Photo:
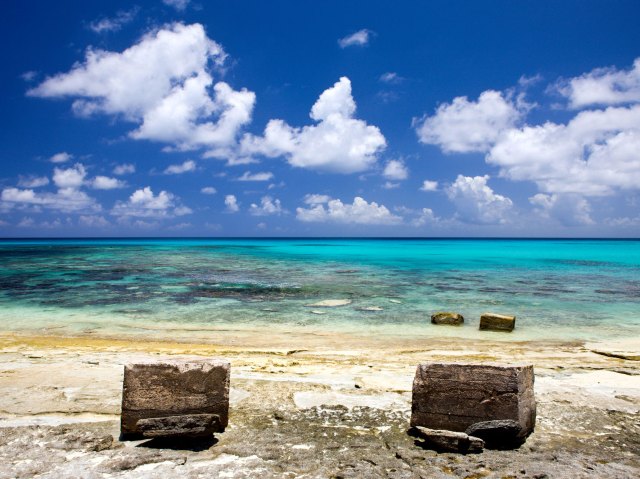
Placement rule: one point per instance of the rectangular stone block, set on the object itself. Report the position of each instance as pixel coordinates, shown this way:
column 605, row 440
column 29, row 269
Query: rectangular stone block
column 455, row 396
column 497, row 322
column 174, row 388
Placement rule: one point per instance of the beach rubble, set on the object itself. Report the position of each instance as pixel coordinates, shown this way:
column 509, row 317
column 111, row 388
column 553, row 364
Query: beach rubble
column 497, row 322
column 175, row 398
column 456, row 397
column 442, row 440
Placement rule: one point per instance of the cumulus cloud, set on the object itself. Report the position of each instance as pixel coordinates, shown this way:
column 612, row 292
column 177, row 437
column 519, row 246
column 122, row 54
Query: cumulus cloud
column 162, row 84
column 144, row 203
column 464, row 126
column 359, row 212
column 93, row 221
column 208, row 190
column 67, row 200
column 184, row 167
column 124, row 169
column 314, row 199
column 429, row 185
column 231, row 202
column 426, row 216
column 267, row 206
column 395, row 170
column 61, row 157
column 115, row 23
column 337, row 143
column 70, row 177
column 360, row 38
column 570, row 210
column 261, row 176
column 106, row 183
column 33, row 181
column 603, row 86
column 594, row 154
column 476, row 202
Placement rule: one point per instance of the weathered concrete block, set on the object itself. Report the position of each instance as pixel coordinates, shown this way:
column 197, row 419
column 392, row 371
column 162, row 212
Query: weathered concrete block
column 174, row 388
column 193, row 425
column 447, row 441
column 497, row 322
column 455, row 396
column 445, row 317
column 500, row 434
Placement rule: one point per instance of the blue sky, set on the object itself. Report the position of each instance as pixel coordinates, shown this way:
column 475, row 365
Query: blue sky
column 332, row 118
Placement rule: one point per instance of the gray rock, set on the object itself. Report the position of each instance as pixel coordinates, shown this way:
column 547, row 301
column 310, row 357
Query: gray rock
column 176, row 388
column 497, row 322
column 455, row 396
column 446, row 317
column 500, row 434
column 447, row 441
column 193, row 425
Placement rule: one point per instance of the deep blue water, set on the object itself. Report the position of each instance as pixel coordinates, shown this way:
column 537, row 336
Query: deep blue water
column 558, row 289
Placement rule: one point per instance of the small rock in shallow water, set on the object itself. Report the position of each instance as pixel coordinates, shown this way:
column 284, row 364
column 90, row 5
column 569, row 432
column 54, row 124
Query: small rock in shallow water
column 314, row 311
column 370, row 308
column 447, row 441
column 445, row 317
column 497, row 322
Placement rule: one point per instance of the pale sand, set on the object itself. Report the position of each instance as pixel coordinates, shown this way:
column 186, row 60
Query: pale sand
column 312, row 406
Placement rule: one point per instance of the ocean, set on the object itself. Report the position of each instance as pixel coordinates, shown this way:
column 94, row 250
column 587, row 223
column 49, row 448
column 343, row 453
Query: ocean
column 189, row 289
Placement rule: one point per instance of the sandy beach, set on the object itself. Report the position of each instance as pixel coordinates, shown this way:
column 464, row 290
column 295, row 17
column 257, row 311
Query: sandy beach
column 311, row 406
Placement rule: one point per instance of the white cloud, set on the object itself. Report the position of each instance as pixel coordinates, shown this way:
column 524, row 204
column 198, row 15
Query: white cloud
column 391, row 78
column 314, row 199
column 161, row 84
column 26, row 223
column 179, row 5
column 144, row 204
column 594, row 154
column 33, row 181
column 106, row 183
column 115, row 23
column 124, row 169
column 268, row 206
column 426, row 216
column 72, row 177
column 67, row 200
column 61, row 157
column 338, row 143
column 261, row 176
column 359, row 212
column 389, row 185
column 185, row 167
column 476, row 202
column 231, row 203
column 208, row 190
column 464, row 126
column 395, row 170
column 428, row 185
column 603, row 86
column 570, row 210
column 93, row 221
column 29, row 76
column 359, row 38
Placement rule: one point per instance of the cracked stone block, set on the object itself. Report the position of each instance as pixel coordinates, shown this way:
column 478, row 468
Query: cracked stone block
column 455, row 396
column 196, row 389
column 497, row 322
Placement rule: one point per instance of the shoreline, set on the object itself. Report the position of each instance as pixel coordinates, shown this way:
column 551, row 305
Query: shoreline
column 315, row 407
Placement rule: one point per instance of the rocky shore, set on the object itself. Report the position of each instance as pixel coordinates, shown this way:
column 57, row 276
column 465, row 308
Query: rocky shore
column 325, row 407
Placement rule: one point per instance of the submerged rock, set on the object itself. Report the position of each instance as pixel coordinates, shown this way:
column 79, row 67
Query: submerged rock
column 442, row 440
column 500, row 434
column 370, row 308
column 330, row 303
column 446, row 317
column 497, row 322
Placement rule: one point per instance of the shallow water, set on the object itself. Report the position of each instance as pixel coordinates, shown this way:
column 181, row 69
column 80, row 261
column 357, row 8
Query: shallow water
column 192, row 288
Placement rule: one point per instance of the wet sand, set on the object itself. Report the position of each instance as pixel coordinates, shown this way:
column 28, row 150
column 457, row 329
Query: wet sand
column 317, row 405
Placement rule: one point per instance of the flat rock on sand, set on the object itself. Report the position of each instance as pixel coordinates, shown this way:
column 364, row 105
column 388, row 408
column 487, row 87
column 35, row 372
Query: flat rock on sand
column 330, row 303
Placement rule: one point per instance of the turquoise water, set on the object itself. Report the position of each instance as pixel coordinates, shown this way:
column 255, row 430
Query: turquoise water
column 558, row 289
